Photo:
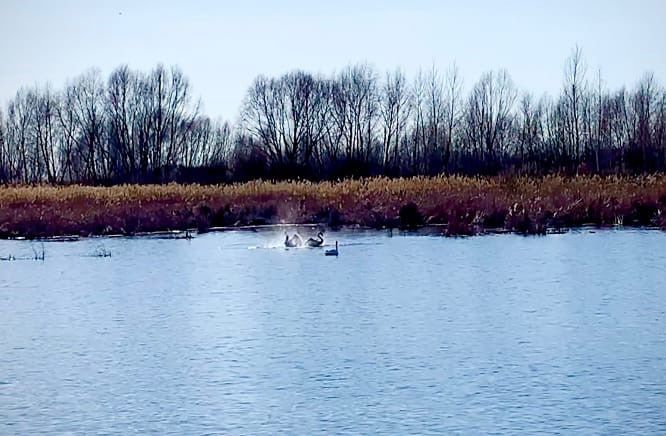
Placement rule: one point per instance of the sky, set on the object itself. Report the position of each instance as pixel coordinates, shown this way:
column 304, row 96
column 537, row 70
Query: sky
column 221, row 46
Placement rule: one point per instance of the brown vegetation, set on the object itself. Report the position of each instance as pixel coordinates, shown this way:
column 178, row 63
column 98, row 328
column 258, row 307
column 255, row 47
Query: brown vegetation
column 465, row 205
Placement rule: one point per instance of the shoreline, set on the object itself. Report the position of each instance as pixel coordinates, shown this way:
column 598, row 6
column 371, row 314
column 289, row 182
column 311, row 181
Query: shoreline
column 426, row 230
column 460, row 206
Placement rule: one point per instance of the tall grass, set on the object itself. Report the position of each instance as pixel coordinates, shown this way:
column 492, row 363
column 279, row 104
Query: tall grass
column 466, row 205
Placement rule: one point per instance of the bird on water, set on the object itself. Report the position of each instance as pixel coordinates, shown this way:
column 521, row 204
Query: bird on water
column 294, row 241
column 312, row 242
column 333, row 251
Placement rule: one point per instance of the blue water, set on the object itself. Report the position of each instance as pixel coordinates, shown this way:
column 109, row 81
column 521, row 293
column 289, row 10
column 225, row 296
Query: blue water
column 229, row 333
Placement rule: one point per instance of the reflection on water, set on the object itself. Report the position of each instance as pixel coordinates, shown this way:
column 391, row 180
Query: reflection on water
column 232, row 333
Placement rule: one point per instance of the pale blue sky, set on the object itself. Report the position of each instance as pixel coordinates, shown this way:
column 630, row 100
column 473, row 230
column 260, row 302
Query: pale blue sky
column 221, row 45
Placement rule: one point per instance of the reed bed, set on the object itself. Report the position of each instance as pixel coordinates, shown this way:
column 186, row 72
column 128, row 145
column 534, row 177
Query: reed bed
column 464, row 205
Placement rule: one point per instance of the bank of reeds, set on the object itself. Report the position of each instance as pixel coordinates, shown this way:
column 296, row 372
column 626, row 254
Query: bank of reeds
column 465, row 205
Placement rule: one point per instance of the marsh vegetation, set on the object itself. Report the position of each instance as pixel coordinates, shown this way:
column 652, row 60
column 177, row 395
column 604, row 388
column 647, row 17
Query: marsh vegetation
column 465, row 205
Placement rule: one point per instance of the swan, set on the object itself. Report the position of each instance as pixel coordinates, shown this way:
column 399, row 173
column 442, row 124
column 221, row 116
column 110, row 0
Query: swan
column 294, row 241
column 311, row 242
column 332, row 252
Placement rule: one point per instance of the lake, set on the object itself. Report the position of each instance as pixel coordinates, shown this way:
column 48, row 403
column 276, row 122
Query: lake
column 232, row 333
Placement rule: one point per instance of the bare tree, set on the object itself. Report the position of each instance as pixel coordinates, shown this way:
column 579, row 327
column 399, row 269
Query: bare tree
column 4, row 166
column 489, row 116
column 260, row 117
column 395, row 111
column 575, row 87
column 167, row 92
column 139, row 127
column 600, row 120
column 289, row 117
column 452, row 111
column 660, row 127
column 531, row 133
column 121, row 116
column 87, row 93
column 419, row 123
column 69, row 135
column 643, row 118
column 355, row 110
column 222, row 146
column 435, row 120
column 19, row 119
column 44, row 131
column 198, row 142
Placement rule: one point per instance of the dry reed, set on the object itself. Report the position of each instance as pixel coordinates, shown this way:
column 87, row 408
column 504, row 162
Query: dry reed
column 466, row 205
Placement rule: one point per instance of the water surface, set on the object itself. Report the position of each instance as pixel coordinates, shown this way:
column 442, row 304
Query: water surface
column 231, row 333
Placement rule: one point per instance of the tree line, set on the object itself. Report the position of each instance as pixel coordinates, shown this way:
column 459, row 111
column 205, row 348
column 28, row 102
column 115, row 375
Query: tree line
column 137, row 127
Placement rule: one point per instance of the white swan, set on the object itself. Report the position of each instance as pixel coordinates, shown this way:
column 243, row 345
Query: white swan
column 294, row 241
column 311, row 242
